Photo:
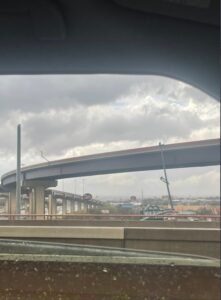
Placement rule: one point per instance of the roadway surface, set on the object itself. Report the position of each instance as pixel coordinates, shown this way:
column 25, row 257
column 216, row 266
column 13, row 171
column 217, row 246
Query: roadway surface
column 181, row 155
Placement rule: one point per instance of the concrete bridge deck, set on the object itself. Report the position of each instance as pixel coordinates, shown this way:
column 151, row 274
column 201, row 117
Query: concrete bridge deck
column 37, row 178
column 179, row 155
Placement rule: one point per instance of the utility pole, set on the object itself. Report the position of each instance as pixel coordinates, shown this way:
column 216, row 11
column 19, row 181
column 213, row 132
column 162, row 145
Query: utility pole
column 83, row 186
column 142, row 195
column 18, row 171
column 75, row 186
column 165, row 179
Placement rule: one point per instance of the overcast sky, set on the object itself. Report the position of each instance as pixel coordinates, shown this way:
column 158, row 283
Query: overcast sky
column 73, row 115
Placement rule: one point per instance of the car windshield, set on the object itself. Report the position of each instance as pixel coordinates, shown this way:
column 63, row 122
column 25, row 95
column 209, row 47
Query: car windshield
column 117, row 170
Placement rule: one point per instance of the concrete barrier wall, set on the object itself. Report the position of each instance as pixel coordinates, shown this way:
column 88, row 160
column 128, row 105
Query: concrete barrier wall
column 97, row 278
column 183, row 240
column 199, row 241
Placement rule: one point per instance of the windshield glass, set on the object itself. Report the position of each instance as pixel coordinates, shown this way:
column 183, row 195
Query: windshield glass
column 115, row 166
column 72, row 116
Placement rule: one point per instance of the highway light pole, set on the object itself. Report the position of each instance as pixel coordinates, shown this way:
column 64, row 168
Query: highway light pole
column 18, row 171
column 142, row 195
column 165, row 179
column 83, row 182
column 75, row 186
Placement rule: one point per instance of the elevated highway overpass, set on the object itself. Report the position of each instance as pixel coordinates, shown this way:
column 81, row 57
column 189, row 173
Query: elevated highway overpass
column 180, row 155
column 41, row 176
column 174, row 237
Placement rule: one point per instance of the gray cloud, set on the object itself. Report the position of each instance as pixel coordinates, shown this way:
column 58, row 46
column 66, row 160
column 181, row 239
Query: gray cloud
column 55, row 132
column 203, row 181
column 83, row 114
column 39, row 93
column 137, row 108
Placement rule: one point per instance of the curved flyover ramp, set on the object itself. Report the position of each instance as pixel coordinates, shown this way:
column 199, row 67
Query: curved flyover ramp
column 180, row 155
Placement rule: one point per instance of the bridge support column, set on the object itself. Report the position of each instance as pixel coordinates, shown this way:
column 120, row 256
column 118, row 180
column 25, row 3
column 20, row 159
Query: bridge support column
column 26, row 205
column 12, row 203
column 64, row 206
column 84, row 207
column 37, row 196
column 40, row 202
column 32, row 203
column 77, row 206
column 72, row 206
column 52, row 205
column 7, row 205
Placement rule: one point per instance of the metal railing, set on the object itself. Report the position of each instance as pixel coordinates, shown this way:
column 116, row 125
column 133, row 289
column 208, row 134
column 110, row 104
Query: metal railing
column 131, row 217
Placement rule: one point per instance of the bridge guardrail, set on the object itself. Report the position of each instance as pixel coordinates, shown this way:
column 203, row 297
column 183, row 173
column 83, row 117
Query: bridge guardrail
column 109, row 217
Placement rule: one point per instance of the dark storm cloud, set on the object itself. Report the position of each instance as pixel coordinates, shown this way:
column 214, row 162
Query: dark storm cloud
column 39, row 93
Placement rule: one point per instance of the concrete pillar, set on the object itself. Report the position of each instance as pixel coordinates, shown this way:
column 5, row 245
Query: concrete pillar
column 77, row 206
column 64, row 206
column 32, row 203
column 26, row 204
column 39, row 201
column 68, row 206
column 7, row 204
column 72, row 206
column 52, row 205
column 12, row 203
column 37, row 196
column 84, row 207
